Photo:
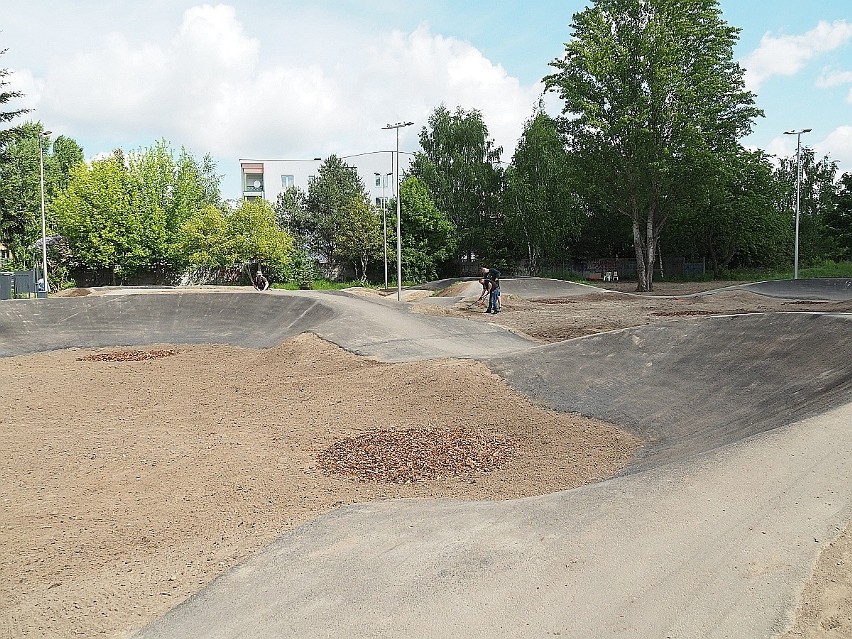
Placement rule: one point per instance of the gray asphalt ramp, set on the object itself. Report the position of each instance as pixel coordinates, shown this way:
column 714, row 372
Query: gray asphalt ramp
column 241, row 319
column 536, row 288
column 689, row 386
column 832, row 289
column 374, row 327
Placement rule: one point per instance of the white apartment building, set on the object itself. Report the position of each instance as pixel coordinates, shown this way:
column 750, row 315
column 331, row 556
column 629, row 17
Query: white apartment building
column 267, row 178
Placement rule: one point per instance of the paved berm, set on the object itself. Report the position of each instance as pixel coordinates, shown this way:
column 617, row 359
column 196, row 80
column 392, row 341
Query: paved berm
column 675, row 465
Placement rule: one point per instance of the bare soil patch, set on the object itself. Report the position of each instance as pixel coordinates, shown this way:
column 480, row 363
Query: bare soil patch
column 132, row 484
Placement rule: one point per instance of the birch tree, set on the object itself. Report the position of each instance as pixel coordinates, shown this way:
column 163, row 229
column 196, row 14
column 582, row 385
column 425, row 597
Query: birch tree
column 651, row 96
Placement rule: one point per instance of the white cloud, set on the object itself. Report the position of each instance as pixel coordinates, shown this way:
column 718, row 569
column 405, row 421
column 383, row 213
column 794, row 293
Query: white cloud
column 312, row 87
column 787, row 54
column 838, row 145
column 833, row 78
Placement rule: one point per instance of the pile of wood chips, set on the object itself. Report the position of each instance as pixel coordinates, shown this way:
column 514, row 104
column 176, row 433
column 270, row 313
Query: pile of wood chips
column 407, row 456
column 129, row 356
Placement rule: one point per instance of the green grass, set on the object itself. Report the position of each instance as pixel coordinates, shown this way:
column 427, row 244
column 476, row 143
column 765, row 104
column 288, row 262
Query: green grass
column 326, row 285
column 823, row 269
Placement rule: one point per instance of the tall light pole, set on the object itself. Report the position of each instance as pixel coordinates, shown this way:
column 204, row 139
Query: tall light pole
column 43, row 134
column 398, row 126
column 798, row 135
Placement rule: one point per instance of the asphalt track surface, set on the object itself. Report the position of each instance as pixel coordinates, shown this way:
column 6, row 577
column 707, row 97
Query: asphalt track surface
column 710, row 533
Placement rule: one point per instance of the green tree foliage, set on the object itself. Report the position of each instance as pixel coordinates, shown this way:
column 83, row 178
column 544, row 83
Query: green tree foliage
column 733, row 219
column 123, row 213
column 359, row 235
column 331, row 197
column 213, row 239
column 5, row 97
column 95, row 215
column 20, row 182
column 429, row 237
column 818, row 199
column 459, row 166
column 291, row 212
column 652, row 97
column 838, row 220
column 544, row 216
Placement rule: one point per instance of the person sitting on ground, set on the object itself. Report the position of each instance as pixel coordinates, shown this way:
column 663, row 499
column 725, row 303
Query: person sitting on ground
column 260, row 282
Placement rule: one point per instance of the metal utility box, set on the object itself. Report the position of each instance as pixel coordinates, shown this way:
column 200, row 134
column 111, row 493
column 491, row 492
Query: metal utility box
column 25, row 282
column 5, row 286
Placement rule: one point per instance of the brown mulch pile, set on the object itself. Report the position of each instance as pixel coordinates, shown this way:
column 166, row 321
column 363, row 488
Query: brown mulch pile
column 407, row 456
column 128, row 356
column 697, row 312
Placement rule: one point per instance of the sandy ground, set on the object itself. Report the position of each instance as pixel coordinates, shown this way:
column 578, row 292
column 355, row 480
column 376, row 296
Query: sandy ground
column 136, row 483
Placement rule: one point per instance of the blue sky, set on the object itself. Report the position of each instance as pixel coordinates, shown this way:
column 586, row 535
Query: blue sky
column 303, row 79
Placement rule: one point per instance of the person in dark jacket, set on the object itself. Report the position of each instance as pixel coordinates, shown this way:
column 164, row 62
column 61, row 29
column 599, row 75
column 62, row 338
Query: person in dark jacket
column 491, row 279
column 260, row 282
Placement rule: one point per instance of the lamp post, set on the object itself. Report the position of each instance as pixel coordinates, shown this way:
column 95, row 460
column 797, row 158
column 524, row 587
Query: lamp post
column 798, row 135
column 398, row 126
column 43, row 134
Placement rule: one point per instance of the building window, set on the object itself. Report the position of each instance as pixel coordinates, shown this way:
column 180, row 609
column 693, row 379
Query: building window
column 381, row 202
column 286, row 181
column 253, row 183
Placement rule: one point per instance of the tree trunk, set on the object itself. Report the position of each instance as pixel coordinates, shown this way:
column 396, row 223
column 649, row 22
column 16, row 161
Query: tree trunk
column 365, row 260
column 638, row 245
column 650, row 251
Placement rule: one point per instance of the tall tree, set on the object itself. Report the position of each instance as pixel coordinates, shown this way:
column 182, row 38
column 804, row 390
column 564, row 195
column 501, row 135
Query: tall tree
column 839, row 219
column 429, row 237
column 359, row 235
column 652, row 96
column 20, row 181
column 544, row 215
column 5, row 96
column 733, row 218
column 96, row 217
column 330, row 194
column 818, row 198
column 123, row 213
column 459, row 166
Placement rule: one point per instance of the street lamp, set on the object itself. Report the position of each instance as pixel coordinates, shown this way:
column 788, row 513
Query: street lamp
column 398, row 126
column 798, row 135
column 43, row 134
column 384, row 179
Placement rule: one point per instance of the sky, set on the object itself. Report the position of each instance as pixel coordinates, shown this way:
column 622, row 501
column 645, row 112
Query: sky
column 292, row 80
